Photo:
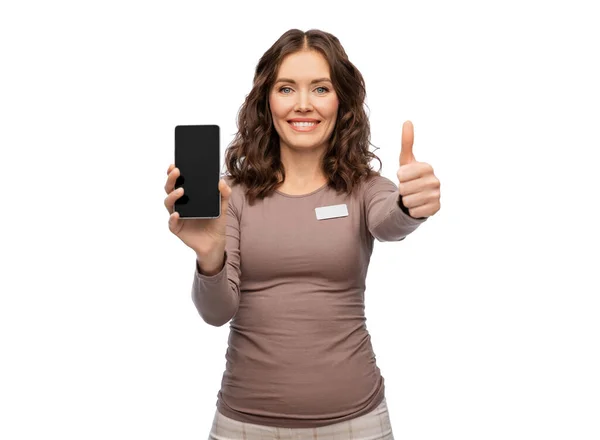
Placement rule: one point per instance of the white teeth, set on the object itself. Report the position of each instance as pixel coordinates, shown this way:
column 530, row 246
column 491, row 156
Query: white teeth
column 303, row 124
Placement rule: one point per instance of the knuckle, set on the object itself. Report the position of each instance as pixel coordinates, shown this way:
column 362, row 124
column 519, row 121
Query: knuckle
column 433, row 182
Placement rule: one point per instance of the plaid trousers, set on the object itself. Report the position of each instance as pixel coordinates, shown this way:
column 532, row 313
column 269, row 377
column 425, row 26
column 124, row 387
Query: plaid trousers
column 374, row 425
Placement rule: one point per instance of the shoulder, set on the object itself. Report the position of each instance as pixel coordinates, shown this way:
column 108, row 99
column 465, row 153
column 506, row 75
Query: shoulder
column 376, row 183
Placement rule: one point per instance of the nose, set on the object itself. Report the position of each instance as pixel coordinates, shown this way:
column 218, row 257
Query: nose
column 303, row 104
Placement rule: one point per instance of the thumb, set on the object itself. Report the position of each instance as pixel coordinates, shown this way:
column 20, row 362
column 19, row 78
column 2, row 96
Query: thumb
column 225, row 191
column 408, row 136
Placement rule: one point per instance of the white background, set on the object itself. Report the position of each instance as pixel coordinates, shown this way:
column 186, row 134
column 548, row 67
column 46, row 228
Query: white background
column 484, row 321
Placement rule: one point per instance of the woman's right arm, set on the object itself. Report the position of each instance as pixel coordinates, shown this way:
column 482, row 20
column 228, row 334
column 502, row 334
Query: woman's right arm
column 216, row 242
column 211, row 265
column 216, row 285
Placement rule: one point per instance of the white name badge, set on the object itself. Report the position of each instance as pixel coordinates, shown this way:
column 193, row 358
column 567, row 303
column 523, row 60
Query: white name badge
column 325, row 212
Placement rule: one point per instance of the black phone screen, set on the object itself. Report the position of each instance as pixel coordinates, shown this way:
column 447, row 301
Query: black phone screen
column 197, row 155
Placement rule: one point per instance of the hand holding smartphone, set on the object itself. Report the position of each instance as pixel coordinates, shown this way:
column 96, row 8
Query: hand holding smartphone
column 199, row 219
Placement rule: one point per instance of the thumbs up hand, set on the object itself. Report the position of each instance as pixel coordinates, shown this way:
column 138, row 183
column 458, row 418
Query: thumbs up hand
column 418, row 187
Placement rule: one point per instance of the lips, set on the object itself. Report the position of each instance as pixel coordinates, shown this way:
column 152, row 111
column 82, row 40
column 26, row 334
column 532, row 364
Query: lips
column 303, row 120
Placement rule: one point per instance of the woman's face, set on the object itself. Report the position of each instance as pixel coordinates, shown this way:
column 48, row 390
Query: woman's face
column 303, row 102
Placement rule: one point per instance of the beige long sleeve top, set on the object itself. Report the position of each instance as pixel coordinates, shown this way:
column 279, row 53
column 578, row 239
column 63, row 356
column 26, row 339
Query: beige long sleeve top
column 292, row 287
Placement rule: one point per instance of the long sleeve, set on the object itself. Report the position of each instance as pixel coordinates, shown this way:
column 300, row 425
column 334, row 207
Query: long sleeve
column 386, row 220
column 217, row 297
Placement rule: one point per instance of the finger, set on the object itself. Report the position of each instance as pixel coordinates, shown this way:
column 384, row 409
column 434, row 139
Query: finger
column 171, row 198
column 225, row 190
column 426, row 210
column 414, row 171
column 174, row 226
column 406, row 152
column 170, row 185
column 170, row 168
column 422, row 211
column 414, row 186
column 422, row 198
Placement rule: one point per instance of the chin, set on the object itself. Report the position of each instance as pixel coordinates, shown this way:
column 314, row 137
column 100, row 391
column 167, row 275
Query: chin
column 311, row 146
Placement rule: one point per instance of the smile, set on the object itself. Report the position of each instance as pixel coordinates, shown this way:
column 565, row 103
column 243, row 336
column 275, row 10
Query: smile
column 303, row 126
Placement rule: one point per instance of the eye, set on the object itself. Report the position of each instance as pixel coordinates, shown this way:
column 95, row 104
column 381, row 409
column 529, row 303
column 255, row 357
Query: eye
column 285, row 88
column 325, row 90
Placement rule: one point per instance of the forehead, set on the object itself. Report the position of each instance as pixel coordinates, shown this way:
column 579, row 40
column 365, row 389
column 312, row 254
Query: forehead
column 304, row 66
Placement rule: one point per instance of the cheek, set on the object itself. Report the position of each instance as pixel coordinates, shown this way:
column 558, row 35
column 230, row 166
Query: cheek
column 278, row 112
column 329, row 108
column 279, row 109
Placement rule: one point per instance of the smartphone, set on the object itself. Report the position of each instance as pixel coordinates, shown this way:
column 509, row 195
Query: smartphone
column 197, row 155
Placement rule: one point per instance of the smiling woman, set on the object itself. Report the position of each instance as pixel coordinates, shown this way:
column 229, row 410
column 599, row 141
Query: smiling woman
column 287, row 263
column 303, row 124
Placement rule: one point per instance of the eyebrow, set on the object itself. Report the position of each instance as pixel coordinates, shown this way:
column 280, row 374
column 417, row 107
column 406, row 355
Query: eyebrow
column 287, row 80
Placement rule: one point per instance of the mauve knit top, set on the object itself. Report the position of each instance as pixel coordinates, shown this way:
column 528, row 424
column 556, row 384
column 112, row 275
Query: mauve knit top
column 292, row 287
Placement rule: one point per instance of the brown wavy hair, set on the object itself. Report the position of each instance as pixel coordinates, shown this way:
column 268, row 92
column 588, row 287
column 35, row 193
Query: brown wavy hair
column 253, row 157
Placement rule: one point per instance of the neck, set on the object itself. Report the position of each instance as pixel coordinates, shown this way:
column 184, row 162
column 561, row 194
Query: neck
column 302, row 167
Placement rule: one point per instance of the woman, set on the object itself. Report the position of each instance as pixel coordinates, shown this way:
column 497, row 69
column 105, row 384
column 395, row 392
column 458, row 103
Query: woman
column 287, row 264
